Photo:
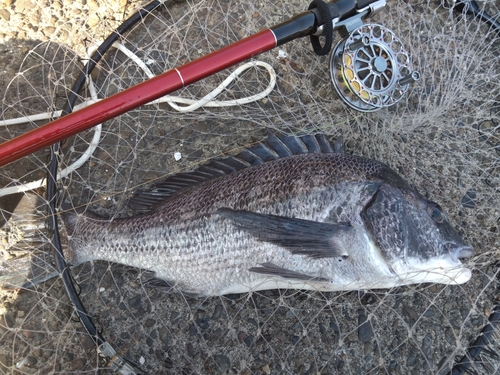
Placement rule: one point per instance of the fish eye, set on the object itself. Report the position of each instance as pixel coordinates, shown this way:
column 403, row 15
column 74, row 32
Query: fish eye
column 435, row 213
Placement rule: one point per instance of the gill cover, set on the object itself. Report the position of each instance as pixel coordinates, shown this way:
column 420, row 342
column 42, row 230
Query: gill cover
column 415, row 237
column 385, row 218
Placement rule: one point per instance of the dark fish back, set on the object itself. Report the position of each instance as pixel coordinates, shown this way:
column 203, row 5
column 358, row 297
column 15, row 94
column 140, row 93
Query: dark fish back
column 273, row 148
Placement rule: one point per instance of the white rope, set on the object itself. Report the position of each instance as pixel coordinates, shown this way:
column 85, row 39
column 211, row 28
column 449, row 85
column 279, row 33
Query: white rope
column 191, row 105
column 207, row 101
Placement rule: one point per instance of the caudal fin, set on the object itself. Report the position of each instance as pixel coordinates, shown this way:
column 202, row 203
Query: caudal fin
column 26, row 259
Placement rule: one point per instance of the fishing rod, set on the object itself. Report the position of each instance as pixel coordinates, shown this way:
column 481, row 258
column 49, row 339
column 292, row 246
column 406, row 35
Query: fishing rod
column 370, row 70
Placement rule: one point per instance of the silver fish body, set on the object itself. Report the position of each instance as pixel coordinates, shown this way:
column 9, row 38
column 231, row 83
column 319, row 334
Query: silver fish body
column 300, row 217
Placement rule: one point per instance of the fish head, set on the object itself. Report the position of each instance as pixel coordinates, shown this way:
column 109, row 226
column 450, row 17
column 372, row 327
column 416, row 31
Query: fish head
column 415, row 237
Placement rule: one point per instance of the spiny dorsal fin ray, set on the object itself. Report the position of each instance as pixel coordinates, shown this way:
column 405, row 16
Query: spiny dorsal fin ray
column 274, row 147
column 302, row 237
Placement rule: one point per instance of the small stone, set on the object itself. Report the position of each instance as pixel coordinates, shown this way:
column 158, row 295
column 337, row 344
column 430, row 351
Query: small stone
column 5, row 14
column 217, row 312
column 427, row 350
column 135, row 301
column 411, row 313
column 393, row 364
column 216, row 335
column 365, row 329
column 429, row 312
column 24, row 6
column 367, row 348
column 266, row 369
column 223, row 363
column 190, row 350
column 241, row 336
column 35, row 18
column 203, row 323
column 49, row 31
column 335, row 327
column 249, row 340
column 192, row 329
column 469, row 199
column 411, row 360
column 92, row 4
column 253, row 321
column 93, row 20
column 31, row 361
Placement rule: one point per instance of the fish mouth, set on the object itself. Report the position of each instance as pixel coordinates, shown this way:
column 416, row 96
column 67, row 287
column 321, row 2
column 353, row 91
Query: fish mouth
column 441, row 270
column 444, row 269
column 460, row 252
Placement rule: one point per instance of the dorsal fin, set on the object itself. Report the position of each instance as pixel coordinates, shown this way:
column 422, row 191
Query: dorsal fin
column 274, row 147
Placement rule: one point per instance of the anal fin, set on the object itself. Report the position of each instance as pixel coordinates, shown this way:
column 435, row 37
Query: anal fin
column 168, row 287
column 272, row 269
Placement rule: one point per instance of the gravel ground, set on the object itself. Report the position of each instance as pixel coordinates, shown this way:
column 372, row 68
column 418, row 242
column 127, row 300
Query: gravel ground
column 415, row 330
column 26, row 23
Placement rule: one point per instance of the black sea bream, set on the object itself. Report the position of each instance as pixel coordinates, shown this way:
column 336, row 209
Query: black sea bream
column 287, row 213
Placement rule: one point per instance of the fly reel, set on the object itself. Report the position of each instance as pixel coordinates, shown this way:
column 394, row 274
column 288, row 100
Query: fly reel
column 370, row 69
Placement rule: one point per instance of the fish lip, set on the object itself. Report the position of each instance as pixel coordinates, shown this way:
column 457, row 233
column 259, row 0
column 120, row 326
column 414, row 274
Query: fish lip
column 466, row 252
column 458, row 252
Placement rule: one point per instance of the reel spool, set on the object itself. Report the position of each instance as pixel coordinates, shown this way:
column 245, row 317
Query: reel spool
column 370, row 69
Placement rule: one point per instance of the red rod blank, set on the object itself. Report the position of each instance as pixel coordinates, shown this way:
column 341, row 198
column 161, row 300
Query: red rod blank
column 135, row 96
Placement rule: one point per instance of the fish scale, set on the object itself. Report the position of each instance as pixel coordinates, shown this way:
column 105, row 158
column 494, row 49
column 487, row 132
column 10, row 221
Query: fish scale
column 288, row 213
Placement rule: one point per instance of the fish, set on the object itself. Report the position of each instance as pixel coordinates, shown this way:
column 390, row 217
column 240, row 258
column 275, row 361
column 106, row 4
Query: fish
column 290, row 212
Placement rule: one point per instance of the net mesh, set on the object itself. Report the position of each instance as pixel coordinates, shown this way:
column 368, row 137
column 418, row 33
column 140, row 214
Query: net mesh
column 443, row 138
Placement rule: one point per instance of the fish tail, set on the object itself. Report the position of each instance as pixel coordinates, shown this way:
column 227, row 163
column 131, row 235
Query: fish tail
column 70, row 217
column 26, row 259
column 78, row 219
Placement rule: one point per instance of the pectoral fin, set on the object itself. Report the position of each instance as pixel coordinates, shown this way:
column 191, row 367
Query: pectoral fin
column 274, row 270
column 304, row 237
